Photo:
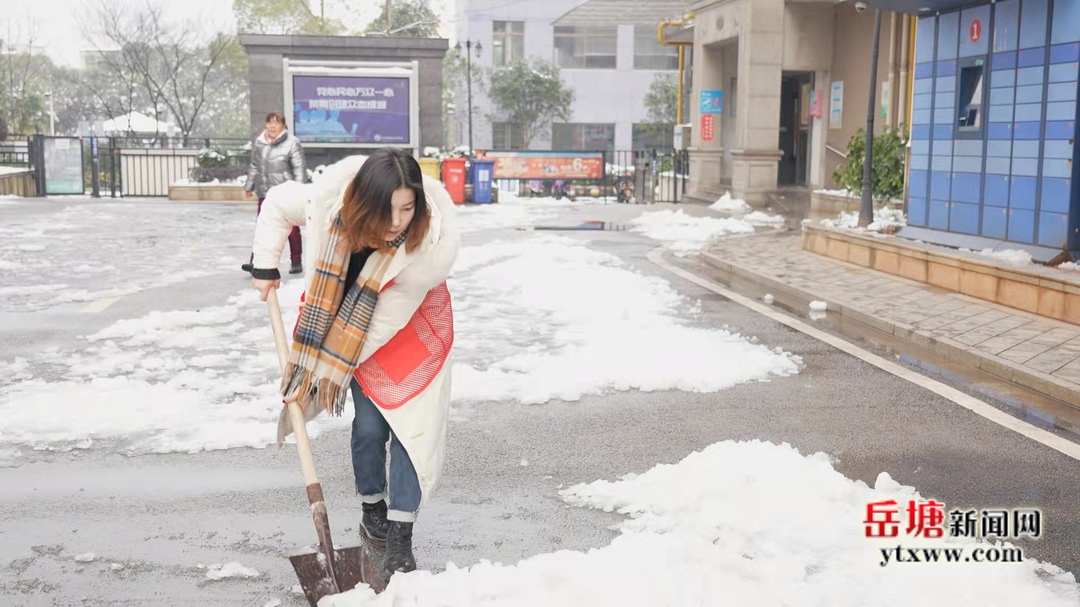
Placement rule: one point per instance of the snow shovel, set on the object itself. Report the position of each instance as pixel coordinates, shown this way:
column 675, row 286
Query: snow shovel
column 330, row 570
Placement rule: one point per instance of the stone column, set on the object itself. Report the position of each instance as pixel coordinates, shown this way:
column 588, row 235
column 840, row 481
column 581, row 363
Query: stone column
column 714, row 27
column 706, row 157
column 756, row 155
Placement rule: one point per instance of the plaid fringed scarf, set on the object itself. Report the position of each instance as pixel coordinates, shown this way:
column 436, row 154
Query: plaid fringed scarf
column 334, row 323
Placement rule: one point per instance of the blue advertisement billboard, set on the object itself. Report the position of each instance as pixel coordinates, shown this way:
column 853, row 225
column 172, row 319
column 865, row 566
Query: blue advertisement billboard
column 351, row 109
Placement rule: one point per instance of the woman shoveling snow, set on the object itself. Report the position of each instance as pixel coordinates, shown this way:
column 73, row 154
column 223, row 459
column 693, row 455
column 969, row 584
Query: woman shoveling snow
column 376, row 319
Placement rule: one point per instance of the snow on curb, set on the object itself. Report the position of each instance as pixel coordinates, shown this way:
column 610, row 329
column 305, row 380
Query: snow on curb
column 886, row 219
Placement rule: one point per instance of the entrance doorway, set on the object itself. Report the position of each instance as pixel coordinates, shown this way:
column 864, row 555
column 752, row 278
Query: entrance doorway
column 795, row 93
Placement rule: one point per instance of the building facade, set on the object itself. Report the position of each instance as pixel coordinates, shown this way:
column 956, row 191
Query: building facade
column 609, row 64
column 994, row 127
column 794, row 81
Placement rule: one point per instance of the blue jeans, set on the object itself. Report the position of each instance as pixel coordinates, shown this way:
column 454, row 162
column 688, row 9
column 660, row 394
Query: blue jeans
column 370, row 433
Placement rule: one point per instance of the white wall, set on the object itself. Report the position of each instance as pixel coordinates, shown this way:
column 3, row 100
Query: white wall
column 601, row 96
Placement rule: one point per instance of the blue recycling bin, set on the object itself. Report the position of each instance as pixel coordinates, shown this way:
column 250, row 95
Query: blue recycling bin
column 482, row 179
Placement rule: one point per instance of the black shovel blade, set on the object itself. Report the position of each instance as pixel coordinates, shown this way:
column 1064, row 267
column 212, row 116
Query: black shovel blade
column 318, row 580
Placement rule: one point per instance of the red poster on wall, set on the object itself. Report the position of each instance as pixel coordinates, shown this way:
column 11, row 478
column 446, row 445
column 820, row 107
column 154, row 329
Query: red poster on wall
column 708, row 127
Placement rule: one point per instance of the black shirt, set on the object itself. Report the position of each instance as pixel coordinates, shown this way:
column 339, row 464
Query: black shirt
column 356, row 263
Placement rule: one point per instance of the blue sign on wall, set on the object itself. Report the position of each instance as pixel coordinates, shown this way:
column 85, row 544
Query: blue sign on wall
column 712, row 102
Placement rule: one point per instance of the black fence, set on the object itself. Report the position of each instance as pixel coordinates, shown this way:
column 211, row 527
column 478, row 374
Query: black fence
column 656, row 175
column 125, row 166
column 147, row 166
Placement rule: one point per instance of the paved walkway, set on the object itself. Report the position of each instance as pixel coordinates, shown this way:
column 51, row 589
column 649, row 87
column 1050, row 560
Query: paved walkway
column 1018, row 342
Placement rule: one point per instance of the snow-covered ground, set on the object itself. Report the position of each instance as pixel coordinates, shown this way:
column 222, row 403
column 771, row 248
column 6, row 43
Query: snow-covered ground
column 750, row 524
column 539, row 317
column 100, row 250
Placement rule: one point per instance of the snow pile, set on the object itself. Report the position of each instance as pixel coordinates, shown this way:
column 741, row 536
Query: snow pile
column 231, row 569
column 1014, row 257
column 819, row 306
column 85, row 558
column 840, row 193
column 750, row 524
column 545, row 318
column 684, row 233
column 5, row 170
column 1069, row 266
column 727, row 203
column 758, row 218
column 885, row 219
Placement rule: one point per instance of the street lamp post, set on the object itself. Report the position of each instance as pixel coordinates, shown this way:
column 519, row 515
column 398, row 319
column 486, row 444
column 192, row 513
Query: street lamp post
column 866, row 204
column 468, row 61
column 52, row 114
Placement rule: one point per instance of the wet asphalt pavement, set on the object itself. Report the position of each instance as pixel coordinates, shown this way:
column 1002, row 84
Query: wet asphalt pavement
column 152, row 520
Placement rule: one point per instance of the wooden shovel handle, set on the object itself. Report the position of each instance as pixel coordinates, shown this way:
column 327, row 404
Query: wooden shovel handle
column 299, row 424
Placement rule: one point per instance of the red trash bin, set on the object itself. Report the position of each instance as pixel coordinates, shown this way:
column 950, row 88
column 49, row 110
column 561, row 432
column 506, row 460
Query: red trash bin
column 453, row 176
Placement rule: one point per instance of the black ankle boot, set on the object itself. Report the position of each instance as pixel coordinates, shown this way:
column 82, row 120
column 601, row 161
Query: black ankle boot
column 374, row 524
column 399, row 555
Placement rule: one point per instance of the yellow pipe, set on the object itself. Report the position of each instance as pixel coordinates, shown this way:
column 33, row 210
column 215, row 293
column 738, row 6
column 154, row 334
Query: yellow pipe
column 682, row 57
column 682, row 67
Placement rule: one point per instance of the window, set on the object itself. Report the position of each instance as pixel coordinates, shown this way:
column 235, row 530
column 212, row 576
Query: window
column 508, row 40
column 971, row 92
column 649, row 54
column 585, row 47
column 654, row 136
column 507, row 136
column 583, row 137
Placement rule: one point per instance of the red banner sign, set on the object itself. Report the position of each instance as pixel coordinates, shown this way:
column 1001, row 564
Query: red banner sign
column 547, row 165
column 708, row 126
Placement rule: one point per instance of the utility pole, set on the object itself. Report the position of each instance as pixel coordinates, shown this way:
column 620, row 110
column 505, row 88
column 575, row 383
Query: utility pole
column 11, row 76
column 52, row 114
column 389, row 16
column 866, row 206
column 468, row 63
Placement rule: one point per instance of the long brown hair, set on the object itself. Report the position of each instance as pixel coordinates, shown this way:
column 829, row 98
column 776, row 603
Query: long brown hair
column 367, row 212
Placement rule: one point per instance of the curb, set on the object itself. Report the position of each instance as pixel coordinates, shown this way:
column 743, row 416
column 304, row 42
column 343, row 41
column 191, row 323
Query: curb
column 1045, row 384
